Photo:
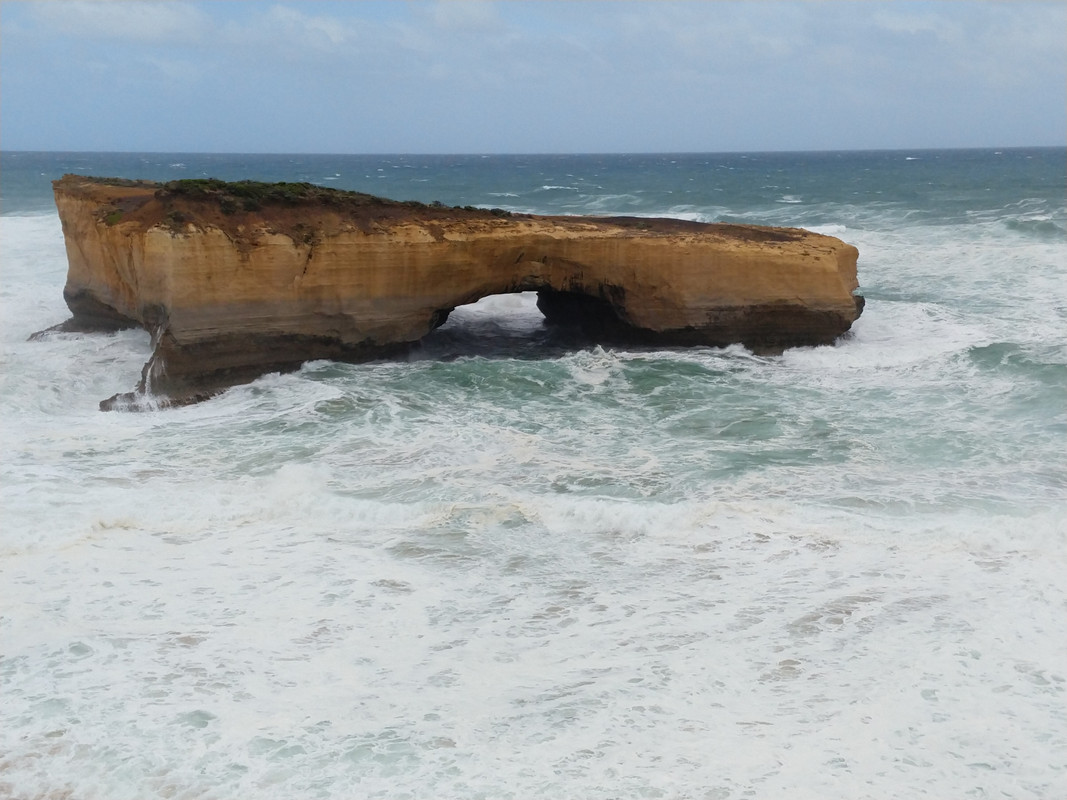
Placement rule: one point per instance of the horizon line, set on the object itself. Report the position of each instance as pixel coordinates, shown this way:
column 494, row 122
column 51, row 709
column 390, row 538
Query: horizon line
column 534, row 153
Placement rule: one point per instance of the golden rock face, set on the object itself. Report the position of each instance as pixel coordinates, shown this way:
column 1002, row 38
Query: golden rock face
column 234, row 288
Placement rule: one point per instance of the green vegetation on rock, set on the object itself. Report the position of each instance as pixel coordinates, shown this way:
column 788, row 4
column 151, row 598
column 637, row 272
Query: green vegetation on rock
column 254, row 195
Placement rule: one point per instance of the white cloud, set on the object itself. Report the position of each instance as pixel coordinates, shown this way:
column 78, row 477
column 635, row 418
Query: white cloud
column 303, row 30
column 466, row 15
column 145, row 22
column 994, row 45
column 521, row 75
column 907, row 20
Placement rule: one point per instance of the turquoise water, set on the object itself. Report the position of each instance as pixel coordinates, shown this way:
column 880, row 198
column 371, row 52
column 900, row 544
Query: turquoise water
column 509, row 567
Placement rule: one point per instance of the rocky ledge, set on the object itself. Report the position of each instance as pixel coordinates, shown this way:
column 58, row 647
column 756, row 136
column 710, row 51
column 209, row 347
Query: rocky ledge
column 234, row 280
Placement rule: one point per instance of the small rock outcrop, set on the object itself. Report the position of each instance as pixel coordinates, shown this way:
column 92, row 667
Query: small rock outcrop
column 234, row 280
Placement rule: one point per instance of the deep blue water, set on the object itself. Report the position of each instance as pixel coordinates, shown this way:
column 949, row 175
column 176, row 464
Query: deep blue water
column 935, row 185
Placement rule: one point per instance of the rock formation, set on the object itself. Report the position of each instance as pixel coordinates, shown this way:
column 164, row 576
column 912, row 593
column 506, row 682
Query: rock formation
column 237, row 279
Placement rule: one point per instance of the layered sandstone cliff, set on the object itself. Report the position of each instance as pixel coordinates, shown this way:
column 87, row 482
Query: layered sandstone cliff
column 234, row 280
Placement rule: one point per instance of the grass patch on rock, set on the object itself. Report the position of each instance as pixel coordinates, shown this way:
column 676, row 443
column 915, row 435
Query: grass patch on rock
column 233, row 196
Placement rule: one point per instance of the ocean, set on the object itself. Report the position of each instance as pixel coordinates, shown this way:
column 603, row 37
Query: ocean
column 508, row 566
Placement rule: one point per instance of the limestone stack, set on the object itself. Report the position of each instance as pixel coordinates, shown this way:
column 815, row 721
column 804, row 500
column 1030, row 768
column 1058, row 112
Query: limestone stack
column 237, row 279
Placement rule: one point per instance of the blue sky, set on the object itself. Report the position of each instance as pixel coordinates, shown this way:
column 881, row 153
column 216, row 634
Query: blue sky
column 530, row 77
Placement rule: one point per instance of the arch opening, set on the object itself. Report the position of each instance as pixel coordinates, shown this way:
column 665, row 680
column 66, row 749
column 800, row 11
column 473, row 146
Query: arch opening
column 530, row 323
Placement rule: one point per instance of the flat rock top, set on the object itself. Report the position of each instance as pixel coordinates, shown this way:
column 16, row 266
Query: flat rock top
column 297, row 209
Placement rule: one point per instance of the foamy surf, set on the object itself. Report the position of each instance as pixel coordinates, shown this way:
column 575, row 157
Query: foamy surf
column 512, row 566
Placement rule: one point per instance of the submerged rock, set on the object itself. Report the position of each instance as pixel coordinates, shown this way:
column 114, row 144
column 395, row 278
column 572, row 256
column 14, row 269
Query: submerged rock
column 234, row 280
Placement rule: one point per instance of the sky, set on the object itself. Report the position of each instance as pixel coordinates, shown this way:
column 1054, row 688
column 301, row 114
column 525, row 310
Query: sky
column 515, row 76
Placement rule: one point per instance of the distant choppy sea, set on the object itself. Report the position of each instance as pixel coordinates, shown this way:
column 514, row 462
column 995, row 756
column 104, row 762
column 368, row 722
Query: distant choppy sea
column 506, row 569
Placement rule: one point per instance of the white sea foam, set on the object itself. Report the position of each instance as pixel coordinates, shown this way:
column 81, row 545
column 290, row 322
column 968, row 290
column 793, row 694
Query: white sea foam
column 608, row 573
column 508, row 308
column 684, row 213
column 609, row 203
column 828, row 230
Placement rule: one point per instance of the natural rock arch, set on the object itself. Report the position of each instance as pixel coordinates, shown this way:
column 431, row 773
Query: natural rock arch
column 600, row 316
column 235, row 280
